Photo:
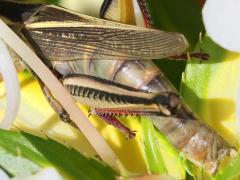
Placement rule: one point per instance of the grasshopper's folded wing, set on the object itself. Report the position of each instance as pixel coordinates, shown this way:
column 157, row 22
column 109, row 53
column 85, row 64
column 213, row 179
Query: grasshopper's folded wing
column 63, row 35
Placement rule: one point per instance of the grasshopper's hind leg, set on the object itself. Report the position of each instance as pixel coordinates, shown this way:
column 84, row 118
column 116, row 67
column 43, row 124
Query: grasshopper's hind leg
column 64, row 116
column 109, row 99
column 57, row 107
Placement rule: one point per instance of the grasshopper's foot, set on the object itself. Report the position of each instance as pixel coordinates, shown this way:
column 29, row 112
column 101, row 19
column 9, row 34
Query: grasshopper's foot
column 116, row 123
column 112, row 120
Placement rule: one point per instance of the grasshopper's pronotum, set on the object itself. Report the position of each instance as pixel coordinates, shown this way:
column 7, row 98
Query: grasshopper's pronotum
column 104, row 65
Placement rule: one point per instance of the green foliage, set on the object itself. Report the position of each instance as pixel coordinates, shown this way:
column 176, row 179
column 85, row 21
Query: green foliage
column 177, row 16
column 17, row 165
column 197, row 76
column 54, row 1
column 35, row 152
column 211, row 88
column 154, row 161
column 161, row 157
column 231, row 171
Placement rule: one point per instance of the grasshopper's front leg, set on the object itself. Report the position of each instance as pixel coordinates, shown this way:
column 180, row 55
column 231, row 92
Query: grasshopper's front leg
column 108, row 99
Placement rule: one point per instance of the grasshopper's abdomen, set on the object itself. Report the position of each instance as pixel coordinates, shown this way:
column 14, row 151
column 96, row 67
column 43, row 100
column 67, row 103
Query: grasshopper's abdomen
column 198, row 142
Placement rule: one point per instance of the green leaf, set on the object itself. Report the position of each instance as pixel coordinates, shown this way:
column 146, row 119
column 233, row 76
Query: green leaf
column 154, row 161
column 54, row 1
column 44, row 153
column 177, row 16
column 211, row 88
column 195, row 172
column 231, row 171
column 17, row 165
column 16, row 144
column 160, row 155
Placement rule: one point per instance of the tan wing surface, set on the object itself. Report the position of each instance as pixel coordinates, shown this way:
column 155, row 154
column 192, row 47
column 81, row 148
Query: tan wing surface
column 87, row 37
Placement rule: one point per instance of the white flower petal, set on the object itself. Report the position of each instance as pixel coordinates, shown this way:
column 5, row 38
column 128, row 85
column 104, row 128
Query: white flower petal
column 10, row 78
column 46, row 174
column 3, row 175
column 221, row 20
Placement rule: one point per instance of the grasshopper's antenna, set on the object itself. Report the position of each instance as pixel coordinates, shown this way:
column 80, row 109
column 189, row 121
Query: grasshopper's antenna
column 185, row 56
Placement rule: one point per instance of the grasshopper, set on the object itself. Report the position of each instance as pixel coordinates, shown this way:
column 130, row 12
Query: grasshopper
column 106, row 66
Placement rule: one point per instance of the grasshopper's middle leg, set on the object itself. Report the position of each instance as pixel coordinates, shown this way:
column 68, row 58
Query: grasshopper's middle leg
column 57, row 107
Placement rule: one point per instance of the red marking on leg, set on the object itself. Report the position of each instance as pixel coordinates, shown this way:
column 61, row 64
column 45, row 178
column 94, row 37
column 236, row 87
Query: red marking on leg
column 116, row 123
column 120, row 112
column 146, row 14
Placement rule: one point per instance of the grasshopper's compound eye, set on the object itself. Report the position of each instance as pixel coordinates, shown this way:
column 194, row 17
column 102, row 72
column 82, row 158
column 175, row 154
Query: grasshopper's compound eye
column 174, row 100
column 168, row 99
